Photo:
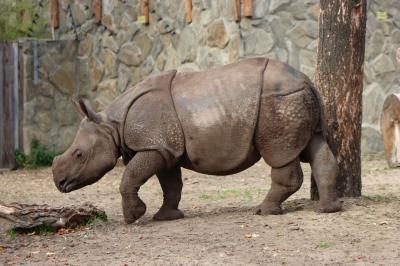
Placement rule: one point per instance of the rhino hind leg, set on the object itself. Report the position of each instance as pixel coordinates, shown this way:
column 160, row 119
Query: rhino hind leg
column 286, row 180
column 324, row 170
column 171, row 184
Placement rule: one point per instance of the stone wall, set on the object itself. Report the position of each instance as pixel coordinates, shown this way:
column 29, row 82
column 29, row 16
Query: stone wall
column 119, row 52
column 48, row 115
column 381, row 69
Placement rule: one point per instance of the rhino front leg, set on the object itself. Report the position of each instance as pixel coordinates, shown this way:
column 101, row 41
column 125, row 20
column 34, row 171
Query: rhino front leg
column 137, row 172
column 171, row 184
column 285, row 181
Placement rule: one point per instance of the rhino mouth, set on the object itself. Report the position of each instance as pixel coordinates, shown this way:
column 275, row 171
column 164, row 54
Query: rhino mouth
column 70, row 187
column 72, row 184
column 66, row 185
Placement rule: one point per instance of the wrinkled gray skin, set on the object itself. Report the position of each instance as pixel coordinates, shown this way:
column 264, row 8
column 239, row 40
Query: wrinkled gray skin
column 280, row 120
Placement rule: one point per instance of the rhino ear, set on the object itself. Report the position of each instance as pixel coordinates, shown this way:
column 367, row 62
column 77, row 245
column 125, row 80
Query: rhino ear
column 75, row 102
column 85, row 109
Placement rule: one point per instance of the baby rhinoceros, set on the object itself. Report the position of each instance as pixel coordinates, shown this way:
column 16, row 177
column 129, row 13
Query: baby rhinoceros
column 216, row 122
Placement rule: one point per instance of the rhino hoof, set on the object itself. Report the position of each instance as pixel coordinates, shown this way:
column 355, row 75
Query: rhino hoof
column 134, row 211
column 328, row 207
column 263, row 210
column 168, row 214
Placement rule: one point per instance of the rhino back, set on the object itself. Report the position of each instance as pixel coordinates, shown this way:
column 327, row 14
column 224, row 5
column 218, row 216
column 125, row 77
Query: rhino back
column 218, row 111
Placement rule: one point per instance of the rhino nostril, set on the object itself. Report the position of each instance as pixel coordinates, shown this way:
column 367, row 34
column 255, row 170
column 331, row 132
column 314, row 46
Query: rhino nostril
column 62, row 183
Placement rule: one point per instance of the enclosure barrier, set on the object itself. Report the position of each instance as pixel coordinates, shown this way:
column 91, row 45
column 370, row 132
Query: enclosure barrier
column 9, row 104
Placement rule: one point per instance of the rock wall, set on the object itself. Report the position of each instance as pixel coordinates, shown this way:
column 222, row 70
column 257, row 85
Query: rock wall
column 381, row 69
column 120, row 51
column 48, row 72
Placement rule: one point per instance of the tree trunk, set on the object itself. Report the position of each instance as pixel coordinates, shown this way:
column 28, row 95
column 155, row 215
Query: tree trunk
column 339, row 77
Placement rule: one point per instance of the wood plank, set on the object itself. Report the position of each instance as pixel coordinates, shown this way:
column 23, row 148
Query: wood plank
column 15, row 105
column 97, row 10
column 55, row 16
column 145, row 10
column 7, row 159
column 188, row 8
column 248, row 8
column 9, row 114
column 2, row 124
column 237, row 10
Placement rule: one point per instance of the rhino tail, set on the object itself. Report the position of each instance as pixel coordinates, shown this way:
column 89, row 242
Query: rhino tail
column 321, row 127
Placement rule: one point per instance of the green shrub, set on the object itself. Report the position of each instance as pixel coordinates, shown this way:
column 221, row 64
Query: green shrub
column 20, row 158
column 22, row 19
column 100, row 216
column 40, row 156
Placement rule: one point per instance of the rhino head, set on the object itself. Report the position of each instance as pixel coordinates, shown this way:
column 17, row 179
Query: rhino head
column 93, row 153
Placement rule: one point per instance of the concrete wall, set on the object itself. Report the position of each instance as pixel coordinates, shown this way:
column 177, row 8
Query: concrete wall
column 120, row 51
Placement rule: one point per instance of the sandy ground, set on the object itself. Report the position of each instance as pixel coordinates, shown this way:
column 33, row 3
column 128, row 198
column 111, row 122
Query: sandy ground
column 219, row 228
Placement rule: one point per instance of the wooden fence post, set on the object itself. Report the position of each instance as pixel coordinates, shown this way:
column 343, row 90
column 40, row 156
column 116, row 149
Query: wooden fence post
column 237, row 10
column 97, row 8
column 248, row 8
column 144, row 10
column 55, row 17
column 188, row 7
column 9, row 119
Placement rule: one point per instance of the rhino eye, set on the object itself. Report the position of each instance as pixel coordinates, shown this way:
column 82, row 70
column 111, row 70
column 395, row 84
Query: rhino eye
column 77, row 154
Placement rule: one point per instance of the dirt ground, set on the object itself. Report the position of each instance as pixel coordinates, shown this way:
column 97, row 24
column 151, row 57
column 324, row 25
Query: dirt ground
column 219, row 227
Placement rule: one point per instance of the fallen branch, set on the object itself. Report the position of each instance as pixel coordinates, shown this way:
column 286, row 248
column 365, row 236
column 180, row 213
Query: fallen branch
column 25, row 217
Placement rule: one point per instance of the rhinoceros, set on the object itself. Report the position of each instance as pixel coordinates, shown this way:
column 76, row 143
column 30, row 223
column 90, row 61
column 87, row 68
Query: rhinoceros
column 217, row 122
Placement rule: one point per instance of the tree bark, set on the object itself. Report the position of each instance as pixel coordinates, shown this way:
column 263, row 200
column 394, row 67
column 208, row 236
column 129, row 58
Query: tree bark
column 339, row 77
column 24, row 217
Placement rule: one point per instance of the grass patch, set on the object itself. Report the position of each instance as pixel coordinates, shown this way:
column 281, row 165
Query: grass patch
column 11, row 233
column 324, row 245
column 229, row 193
column 247, row 194
column 373, row 156
column 381, row 198
column 205, row 197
